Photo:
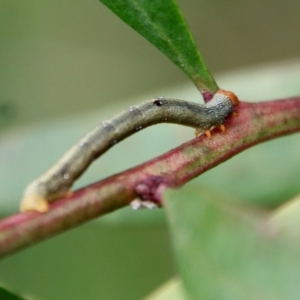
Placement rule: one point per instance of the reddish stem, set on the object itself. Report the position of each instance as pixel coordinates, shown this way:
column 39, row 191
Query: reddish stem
column 256, row 122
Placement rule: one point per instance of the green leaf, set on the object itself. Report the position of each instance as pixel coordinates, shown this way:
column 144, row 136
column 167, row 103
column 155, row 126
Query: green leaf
column 6, row 114
column 172, row 289
column 287, row 217
column 229, row 251
column 163, row 25
column 6, row 295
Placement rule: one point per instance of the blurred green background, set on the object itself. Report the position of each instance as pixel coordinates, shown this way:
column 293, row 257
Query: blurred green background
column 67, row 65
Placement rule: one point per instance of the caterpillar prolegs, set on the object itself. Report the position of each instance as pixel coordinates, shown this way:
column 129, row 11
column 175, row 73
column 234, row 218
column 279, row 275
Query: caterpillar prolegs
column 57, row 181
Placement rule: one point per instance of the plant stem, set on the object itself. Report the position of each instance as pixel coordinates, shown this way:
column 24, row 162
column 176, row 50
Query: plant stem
column 255, row 123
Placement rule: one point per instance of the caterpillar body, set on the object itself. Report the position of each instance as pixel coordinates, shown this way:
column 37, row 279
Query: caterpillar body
column 57, row 181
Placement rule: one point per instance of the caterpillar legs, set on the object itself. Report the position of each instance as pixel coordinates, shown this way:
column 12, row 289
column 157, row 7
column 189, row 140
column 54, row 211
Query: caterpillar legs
column 199, row 131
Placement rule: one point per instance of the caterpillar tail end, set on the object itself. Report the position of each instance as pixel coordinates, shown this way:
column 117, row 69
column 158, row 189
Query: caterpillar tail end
column 34, row 203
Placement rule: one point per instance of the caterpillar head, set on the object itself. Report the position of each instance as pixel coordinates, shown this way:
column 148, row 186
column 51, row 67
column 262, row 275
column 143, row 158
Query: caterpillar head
column 231, row 96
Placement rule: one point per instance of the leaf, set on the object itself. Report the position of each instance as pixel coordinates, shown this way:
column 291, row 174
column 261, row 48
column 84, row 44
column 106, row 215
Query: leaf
column 163, row 25
column 170, row 290
column 6, row 295
column 287, row 217
column 231, row 252
column 6, row 114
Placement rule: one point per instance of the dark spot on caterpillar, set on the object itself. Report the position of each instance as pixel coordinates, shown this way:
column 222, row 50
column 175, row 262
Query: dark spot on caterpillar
column 63, row 170
column 139, row 127
column 113, row 142
column 158, row 102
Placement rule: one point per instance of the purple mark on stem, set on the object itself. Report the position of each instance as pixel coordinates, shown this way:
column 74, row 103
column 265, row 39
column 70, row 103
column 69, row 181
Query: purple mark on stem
column 207, row 96
column 152, row 188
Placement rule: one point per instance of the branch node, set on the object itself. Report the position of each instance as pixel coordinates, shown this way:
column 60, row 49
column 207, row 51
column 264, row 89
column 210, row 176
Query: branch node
column 151, row 189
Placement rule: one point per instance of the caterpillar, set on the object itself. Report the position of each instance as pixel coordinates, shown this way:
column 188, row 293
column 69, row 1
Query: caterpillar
column 57, row 181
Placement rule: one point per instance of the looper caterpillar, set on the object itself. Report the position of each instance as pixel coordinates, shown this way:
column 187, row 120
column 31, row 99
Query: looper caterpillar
column 57, row 181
